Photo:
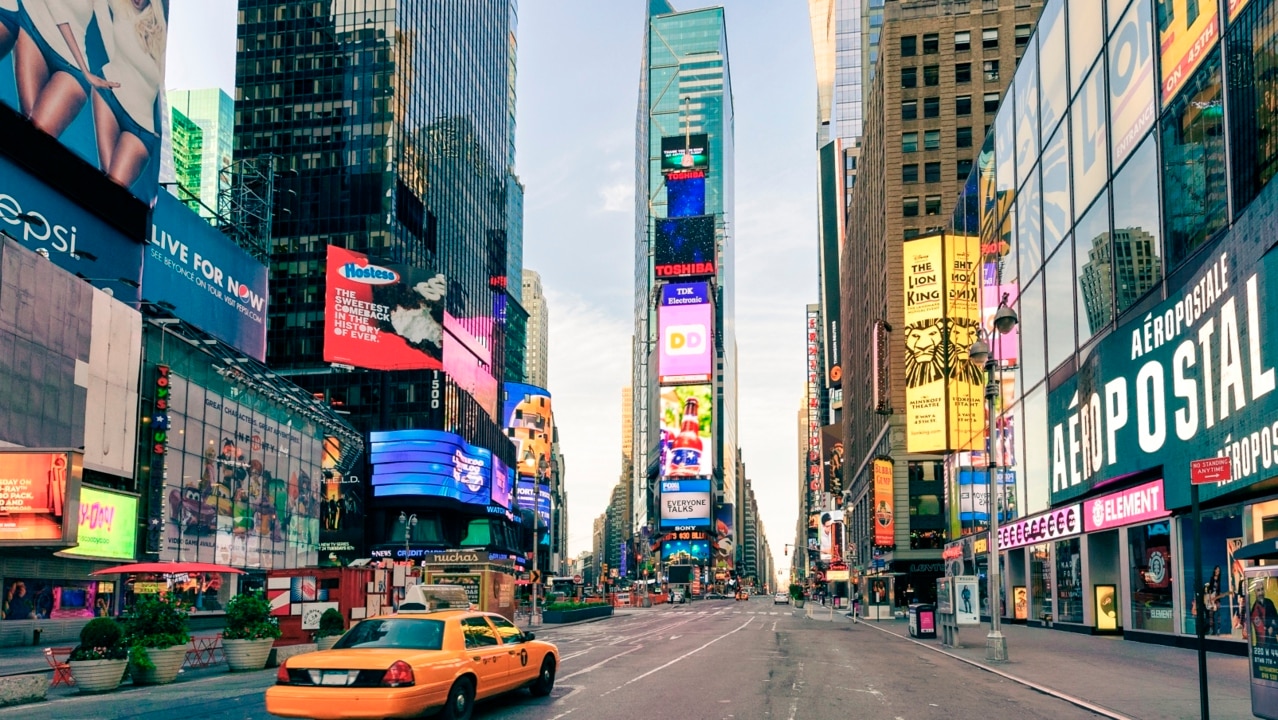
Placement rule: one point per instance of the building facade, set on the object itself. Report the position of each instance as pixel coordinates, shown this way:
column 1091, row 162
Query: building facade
column 213, row 111
column 537, row 337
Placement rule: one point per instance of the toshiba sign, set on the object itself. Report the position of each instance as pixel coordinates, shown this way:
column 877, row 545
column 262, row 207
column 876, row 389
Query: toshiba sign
column 1052, row 525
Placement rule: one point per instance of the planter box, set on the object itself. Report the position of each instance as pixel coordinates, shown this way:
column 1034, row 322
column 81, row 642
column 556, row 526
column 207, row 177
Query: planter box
column 168, row 661
column 327, row 643
column 567, row 616
column 95, row 676
column 246, row 655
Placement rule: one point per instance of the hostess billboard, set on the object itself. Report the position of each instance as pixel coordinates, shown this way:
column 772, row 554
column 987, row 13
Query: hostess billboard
column 91, row 74
column 431, row 463
column 529, row 423
column 382, row 317
column 685, row 319
column 684, row 246
column 209, row 280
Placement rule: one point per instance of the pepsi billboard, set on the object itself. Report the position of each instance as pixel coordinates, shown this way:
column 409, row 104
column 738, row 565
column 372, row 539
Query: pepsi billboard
column 209, row 280
column 435, row 463
column 685, row 320
column 684, row 246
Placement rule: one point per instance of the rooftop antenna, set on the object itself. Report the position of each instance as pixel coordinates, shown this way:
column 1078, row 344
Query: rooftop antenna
column 687, row 160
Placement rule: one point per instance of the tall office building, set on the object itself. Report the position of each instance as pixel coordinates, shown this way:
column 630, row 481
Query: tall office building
column 627, row 426
column 213, row 111
column 683, row 233
column 537, row 337
column 187, row 144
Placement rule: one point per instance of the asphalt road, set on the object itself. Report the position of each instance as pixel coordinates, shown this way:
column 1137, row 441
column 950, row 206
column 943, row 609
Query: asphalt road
column 708, row 660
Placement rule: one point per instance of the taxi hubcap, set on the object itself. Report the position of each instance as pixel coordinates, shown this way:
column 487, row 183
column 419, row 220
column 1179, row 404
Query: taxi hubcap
column 460, row 701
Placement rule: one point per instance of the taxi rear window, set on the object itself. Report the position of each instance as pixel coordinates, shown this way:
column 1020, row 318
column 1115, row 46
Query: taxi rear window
column 395, row 633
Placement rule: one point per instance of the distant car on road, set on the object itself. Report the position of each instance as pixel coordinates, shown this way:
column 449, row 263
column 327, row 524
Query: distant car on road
column 678, row 597
column 743, row 595
column 781, row 599
column 716, row 596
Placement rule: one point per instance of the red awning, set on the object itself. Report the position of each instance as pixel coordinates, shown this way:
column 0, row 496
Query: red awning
column 169, row 568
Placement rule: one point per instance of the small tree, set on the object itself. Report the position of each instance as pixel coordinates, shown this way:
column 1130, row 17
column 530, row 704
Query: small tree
column 248, row 617
column 154, row 621
column 796, row 591
column 101, row 639
column 331, row 623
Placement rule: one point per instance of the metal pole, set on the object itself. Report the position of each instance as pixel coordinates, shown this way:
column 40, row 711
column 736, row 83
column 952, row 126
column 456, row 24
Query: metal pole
column 1200, row 614
column 995, row 643
column 532, row 617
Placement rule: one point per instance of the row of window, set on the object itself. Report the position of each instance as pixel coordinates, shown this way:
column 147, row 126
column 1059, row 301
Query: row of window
column 962, row 74
column 932, row 171
column 932, row 139
column 931, row 205
column 932, row 106
column 962, row 41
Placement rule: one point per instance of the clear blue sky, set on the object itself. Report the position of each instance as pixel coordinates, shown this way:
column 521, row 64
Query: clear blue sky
column 578, row 93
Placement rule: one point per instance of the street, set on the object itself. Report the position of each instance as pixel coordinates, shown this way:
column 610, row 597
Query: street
column 709, row 659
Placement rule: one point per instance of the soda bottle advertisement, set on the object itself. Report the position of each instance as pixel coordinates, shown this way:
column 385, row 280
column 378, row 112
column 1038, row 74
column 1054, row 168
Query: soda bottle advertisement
column 687, row 442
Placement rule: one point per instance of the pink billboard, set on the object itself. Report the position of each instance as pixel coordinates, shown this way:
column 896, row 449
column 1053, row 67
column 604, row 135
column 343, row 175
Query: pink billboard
column 684, row 322
column 1126, row 507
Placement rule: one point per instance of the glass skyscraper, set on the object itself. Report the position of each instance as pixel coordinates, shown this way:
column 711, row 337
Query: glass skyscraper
column 213, row 112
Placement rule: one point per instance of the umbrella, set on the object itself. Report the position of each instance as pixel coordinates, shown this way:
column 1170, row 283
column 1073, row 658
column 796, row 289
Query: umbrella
column 169, row 568
column 1265, row 549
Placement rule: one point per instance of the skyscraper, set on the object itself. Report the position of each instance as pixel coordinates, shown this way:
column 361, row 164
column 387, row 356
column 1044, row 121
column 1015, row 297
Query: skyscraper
column 537, row 337
column 188, row 149
column 213, row 111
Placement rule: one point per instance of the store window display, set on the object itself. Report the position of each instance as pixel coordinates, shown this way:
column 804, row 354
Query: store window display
column 1069, row 581
column 1040, row 581
column 1152, row 571
column 1221, row 531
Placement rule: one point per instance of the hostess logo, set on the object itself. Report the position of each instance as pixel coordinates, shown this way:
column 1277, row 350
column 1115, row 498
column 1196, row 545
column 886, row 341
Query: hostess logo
column 368, row 274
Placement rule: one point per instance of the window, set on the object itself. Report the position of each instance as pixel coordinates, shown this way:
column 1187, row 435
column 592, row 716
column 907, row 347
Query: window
column 989, row 38
column 1022, row 35
column 932, row 172
column 991, row 103
column 508, row 632
column 909, row 77
column 962, row 41
column 909, row 142
column 963, row 105
column 963, row 73
column 478, row 633
column 931, row 139
column 933, row 205
column 909, row 109
column 909, row 46
column 931, row 44
column 910, row 233
column 393, row 633
column 931, row 75
column 990, row 68
column 963, row 137
column 910, row 173
column 964, row 169
column 932, row 107
column 910, row 206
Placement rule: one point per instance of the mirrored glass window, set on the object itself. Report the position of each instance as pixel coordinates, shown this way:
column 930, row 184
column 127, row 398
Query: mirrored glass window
column 1138, row 262
column 1004, row 141
column 1056, row 207
column 1093, row 258
column 1194, row 163
column 1086, row 33
column 1058, row 283
column 1027, row 118
column 1253, row 50
column 1031, row 329
column 1090, row 165
column 1052, row 64
column 1029, row 229
column 1132, row 106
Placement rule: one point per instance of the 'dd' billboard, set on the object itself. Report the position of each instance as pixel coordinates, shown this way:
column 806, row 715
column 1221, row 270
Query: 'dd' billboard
column 685, row 152
column 91, row 74
column 685, row 319
column 687, row 427
column 685, row 504
column 206, row 277
column 382, row 317
column 39, row 498
column 684, row 247
column 432, row 463
column 529, row 423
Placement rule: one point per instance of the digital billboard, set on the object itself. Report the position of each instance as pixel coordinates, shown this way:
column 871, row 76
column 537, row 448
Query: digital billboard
column 974, row 497
column 382, row 317
column 39, row 492
column 206, row 277
column 530, row 496
column 431, row 463
column 108, row 525
column 687, row 439
column 529, row 423
column 685, row 319
column 92, row 76
column 686, row 196
column 832, row 458
column 685, row 504
column 341, row 510
column 1185, row 38
column 685, row 152
column 469, row 363
column 884, row 504
column 684, row 247
column 831, row 536
column 685, row 551
column 724, row 543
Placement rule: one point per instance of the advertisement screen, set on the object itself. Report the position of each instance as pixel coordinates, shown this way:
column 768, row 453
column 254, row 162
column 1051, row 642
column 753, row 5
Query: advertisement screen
column 832, row 458
column 831, row 524
column 685, row 509
column 685, row 152
column 469, row 364
column 685, row 197
column 685, row 551
column 530, row 496
column 529, row 423
column 884, row 504
column 38, row 490
column 101, row 92
column 974, row 497
column 1185, row 38
column 685, row 319
column 430, row 462
column 684, row 247
column 382, row 317
column 341, row 510
column 724, row 543
column 687, row 439
column 208, row 279
column 108, row 525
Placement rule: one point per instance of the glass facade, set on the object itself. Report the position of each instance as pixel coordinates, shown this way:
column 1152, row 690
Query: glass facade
column 1153, row 577
column 213, row 112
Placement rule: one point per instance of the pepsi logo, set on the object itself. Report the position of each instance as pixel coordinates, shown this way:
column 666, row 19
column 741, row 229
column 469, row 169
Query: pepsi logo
column 368, row 274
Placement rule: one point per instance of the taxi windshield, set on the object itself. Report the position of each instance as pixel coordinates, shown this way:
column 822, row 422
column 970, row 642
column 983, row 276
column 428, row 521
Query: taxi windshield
column 394, row 633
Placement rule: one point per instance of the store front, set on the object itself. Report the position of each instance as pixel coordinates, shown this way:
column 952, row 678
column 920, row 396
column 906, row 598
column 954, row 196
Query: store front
column 1030, row 546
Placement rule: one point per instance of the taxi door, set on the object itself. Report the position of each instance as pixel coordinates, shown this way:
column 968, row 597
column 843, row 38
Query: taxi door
column 524, row 668
column 489, row 660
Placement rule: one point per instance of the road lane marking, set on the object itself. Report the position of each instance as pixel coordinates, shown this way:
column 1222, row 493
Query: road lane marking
column 583, row 671
column 576, row 654
column 686, row 655
column 774, row 625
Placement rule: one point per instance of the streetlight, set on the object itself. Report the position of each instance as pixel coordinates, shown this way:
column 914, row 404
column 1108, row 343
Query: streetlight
column 410, row 521
column 980, row 355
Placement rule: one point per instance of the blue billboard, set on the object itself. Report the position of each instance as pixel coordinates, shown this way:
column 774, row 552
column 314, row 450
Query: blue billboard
column 685, row 550
column 529, row 496
column 42, row 220
column 431, row 463
column 209, row 280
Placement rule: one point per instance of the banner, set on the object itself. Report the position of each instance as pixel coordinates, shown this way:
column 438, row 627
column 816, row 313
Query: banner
column 832, row 458
column 684, row 247
column 108, row 525
column 884, row 504
column 1185, row 40
column 685, row 504
column 39, row 492
column 687, row 439
column 724, row 542
column 832, row 536
column 685, row 319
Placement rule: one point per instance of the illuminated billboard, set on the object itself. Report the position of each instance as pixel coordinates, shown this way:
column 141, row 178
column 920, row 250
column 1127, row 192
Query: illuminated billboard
column 685, row 197
column 529, row 423
column 724, row 542
column 687, row 439
column 108, row 525
column 684, row 247
column 685, row 152
column 530, row 496
column 39, row 491
column 685, row 504
column 432, row 463
column 382, row 317
column 685, row 551
column 884, row 504
column 685, row 319
column 1184, row 39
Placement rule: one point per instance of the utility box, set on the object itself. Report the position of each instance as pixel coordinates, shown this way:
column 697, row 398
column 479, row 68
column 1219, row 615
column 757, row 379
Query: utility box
column 923, row 621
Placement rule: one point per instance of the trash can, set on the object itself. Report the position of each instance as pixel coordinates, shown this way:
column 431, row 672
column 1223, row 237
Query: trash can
column 923, row 621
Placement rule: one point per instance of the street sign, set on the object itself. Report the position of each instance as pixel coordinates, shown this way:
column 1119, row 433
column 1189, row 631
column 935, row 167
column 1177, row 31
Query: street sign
column 1210, row 470
column 535, row 576
column 576, row 580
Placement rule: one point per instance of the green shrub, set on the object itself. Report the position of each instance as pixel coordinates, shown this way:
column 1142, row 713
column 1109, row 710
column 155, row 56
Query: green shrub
column 572, row 605
column 248, row 617
column 796, row 591
column 154, row 621
column 101, row 639
column 331, row 623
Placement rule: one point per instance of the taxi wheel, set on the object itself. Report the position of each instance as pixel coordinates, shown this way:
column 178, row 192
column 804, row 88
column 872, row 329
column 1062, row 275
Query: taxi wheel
column 461, row 700
column 545, row 680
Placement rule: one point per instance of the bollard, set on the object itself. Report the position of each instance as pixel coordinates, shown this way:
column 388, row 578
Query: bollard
column 35, row 636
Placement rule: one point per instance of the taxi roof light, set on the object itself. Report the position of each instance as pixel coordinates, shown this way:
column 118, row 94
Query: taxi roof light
column 399, row 674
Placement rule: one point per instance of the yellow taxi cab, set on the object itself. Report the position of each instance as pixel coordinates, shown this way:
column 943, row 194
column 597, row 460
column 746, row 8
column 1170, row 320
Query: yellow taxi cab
column 412, row 663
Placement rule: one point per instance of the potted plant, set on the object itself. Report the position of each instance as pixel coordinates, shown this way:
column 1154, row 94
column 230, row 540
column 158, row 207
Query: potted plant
column 331, row 628
column 250, row 632
column 796, row 594
column 98, row 662
column 155, row 631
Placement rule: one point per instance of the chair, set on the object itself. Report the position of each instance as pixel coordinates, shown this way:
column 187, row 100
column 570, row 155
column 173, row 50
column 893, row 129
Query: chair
column 57, row 659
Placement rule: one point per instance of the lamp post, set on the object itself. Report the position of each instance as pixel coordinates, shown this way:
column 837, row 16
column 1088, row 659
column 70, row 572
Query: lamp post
column 410, row 521
column 980, row 354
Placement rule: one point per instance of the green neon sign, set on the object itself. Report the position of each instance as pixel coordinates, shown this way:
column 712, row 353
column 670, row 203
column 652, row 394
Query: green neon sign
column 108, row 525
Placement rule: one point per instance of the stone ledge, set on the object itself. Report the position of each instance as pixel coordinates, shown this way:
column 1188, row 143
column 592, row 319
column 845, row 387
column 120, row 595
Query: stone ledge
column 280, row 653
column 21, row 689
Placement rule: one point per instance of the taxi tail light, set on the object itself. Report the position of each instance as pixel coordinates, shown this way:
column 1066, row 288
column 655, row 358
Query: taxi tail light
column 281, row 675
column 398, row 675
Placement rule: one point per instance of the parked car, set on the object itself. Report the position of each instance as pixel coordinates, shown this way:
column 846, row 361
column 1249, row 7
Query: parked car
column 678, row 597
column 781, row 599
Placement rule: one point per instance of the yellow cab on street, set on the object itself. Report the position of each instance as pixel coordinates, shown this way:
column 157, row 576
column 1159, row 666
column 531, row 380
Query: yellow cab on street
column 435, row 654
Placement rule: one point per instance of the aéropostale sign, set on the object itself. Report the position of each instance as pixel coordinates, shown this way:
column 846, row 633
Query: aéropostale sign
column 1192, row 379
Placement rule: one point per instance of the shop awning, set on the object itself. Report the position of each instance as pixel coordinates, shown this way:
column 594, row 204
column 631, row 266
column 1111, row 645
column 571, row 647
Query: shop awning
column 169, row 568
column 1263, row 550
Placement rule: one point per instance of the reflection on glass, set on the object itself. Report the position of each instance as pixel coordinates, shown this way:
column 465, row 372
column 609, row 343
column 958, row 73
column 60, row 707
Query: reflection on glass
column 1058, row 283
column 1090, row 165
column 1004, row 142
column 1027, row 114
column 1138, row 264
column 1086, row 33
column 1056, row 210
column 1092, row 253
column 1038, row 452
column 1051, row 51
column 1031, row 328
column 1152, row 570
column 1029, row 229
column 1132, row 105
column 1194, row 163
column 1253, row 85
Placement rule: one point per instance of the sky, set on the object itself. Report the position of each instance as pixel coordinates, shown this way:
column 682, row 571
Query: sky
column 578, row 75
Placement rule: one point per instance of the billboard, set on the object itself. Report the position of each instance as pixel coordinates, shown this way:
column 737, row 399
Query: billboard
column 39, row 492
column 530, row 496
column 685, row 504
column 93, row 77
column 724, row 542
column 1185, row 38
column 687, row 437
column 685, row 320
column 341, row 510
column 832, row 458
column 209, row 280
column 469, row 363
column 684, row 247
column 382, row 317
column 974, row 497
column 432, row 463
column 529, row 423
column 684, row 551
column 685, row 197
column 884, row 504
column 682, row 153
column 832, row 536
column 108, row 525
